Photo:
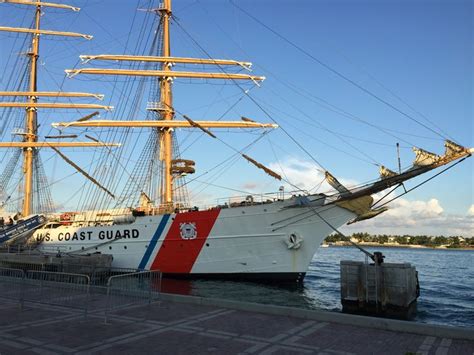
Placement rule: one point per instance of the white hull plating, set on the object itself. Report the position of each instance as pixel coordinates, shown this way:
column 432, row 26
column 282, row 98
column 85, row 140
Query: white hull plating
column 274, row 238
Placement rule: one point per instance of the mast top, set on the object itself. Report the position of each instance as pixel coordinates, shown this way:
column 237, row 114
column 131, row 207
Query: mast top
column 165, row 6
column 43, row 4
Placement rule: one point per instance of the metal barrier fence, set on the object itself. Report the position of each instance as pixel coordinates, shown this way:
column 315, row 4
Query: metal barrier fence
column 57, row 288
column 74, row 291
column 132, row 289
column 13, row 249
column 99, row 275
column 11, row 285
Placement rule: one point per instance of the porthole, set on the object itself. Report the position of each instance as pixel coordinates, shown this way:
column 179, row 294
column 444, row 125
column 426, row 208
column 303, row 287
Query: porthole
column 207, row 244
column 110, row 248
column 96, row 248
column 125, row 247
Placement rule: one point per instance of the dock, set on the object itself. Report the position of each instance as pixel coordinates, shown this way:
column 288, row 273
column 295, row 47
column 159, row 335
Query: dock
column 34, row 260
column 192, row 325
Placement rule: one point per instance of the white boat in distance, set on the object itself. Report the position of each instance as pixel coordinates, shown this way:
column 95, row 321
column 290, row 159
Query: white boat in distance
column 271, row 238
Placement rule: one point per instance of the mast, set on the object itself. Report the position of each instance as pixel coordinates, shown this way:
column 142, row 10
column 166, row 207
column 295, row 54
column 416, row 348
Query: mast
column 172, row 167
column 30, row 142
column 166, row 102
column 30, row 124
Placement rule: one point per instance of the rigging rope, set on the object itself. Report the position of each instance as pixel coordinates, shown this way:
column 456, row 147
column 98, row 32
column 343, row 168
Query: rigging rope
column 334, row 71
column 370, row 160
column 92, row 198
column 347, row 114
column 253, row 100
column 398, row 97
column 312, row 97
column 424, row 182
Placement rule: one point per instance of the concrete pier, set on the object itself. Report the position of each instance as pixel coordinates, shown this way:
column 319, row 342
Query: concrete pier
column 384, row 289
column 193, row 325
column 34, row 260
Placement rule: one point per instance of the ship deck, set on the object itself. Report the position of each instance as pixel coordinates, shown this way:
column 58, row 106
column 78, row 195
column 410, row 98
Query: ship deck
column 190, row 325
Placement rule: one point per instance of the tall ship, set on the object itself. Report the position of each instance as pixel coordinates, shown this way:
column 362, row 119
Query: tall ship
column 133, row 201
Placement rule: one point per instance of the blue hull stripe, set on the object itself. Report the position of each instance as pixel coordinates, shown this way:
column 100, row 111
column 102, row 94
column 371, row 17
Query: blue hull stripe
column 154, row 241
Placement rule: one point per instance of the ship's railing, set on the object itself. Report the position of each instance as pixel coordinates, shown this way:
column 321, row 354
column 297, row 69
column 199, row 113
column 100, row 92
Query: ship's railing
column 75, row 291
column 156, row 106
column 243, row 200
column 253, row 199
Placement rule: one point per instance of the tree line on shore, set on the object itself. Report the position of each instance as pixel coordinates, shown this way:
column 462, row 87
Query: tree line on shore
column 423, row 240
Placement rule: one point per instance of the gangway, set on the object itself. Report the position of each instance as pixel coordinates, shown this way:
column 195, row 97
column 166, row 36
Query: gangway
column 23, row 228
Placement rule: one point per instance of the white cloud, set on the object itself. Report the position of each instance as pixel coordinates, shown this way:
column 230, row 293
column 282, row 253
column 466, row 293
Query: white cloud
column 405, row 209
column 305, row 175
column 416, row 217
column 403, row 217
column 470, row 211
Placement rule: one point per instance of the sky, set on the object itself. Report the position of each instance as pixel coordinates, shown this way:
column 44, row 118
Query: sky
column 415, row 55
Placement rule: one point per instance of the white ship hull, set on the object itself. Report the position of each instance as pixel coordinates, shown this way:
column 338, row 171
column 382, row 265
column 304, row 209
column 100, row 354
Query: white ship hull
column 267, row 241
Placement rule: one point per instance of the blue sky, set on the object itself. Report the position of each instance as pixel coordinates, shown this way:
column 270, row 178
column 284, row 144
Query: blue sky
column 422, row 51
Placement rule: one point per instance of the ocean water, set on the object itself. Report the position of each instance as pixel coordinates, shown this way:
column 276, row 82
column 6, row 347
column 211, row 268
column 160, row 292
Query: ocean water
column 446, row 281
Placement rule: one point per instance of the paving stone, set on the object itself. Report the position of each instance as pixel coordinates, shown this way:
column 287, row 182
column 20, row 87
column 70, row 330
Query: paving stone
column 254, row 324
column 14, row 315
column 361, row 340
column 74, row 333
column 166, row 311
column 461, row 347
column 180, row 328
column 13, row 349
column 285, row 350
column 176, row 342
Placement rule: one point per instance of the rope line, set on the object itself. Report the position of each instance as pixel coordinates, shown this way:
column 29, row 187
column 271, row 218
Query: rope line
column 334, row 71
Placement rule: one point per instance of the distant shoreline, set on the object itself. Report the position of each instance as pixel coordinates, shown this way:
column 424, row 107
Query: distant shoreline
column 389, row 245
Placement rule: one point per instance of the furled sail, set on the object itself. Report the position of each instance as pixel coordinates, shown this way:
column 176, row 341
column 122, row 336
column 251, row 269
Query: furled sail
column 263, row 167
column 385, row 172
column 424, row 158
column 424, row 162
column 452, row 148
column 336, row 184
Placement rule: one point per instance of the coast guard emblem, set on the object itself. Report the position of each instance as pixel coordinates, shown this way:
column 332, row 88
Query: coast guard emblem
column 188, row 230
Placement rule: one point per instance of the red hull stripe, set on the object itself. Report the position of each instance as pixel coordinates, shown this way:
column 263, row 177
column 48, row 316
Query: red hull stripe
column 177, row 254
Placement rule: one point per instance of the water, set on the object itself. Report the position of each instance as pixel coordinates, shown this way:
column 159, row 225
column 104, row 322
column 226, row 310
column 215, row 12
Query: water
column 446, row 280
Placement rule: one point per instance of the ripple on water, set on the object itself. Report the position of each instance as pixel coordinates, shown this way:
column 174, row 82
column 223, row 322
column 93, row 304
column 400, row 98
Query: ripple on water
column 446, row 291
